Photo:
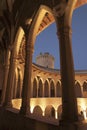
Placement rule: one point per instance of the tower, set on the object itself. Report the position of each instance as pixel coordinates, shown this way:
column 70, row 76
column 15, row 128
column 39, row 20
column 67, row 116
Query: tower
column 46, row 60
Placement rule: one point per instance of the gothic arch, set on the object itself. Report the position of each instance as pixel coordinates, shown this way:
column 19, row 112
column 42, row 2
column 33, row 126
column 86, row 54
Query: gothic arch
column 46, row 88
column 36, row 22
column 58, row 89
column 40, row 88
column 50, row 111
column 18, row 39
column 35, row 84
column 37, row 111
column 52, row 89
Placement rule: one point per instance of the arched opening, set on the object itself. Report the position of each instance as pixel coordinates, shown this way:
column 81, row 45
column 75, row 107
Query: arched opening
column 58, row 89
column 34, row 88
column 37, row 111
column 50, row 111
column 85, row 89
column 40, row 88
column 78, row 89
column 52, row 89
column 46, row 89
column 50, row 44
column 49, row 37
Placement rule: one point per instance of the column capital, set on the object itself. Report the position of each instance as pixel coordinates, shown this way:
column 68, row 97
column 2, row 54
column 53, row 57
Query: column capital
column 59, row 9
column 63, row 28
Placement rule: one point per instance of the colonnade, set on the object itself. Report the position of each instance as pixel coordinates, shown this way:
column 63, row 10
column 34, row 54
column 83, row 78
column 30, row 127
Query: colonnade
column 45, row 88
column 69, row 102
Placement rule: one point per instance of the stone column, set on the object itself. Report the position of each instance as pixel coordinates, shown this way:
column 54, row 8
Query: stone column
column 6, row 70
column 8, row 97
column 20, row 88
column 13, row 65
column 15, row 87
column 69, row 102
column 26, row 90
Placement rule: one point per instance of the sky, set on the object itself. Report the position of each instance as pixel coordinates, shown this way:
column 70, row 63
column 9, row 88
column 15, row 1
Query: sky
column 47, row 41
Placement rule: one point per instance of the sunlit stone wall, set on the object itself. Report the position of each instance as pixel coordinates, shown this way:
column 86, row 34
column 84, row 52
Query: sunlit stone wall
column 56, row 103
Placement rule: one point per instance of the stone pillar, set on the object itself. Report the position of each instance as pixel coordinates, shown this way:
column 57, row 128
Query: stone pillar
column 8, row 97
column 63, row 16
column 6, row 70
column 26, row 90
column 15, row 87
column 69, row 102
column 20, row 88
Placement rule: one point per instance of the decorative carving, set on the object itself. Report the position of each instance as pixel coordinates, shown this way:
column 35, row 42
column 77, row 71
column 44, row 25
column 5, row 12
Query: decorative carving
column 59, row 9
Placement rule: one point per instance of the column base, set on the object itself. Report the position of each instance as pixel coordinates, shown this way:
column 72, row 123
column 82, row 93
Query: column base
column 24, row 111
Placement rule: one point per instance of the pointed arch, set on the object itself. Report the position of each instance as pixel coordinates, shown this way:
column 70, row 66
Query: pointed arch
column 58, row 89
column 43, row 9
column 52, row 89
column 35, row 82
column 78, row 89
column 40, row 88
column 37, row 111
column 46, row 88
column 50, row 111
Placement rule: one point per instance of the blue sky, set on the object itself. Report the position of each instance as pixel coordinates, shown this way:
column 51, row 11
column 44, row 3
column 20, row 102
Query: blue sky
column 47, row 41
